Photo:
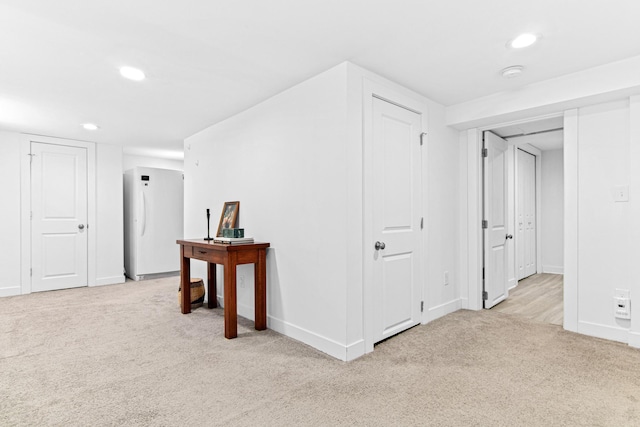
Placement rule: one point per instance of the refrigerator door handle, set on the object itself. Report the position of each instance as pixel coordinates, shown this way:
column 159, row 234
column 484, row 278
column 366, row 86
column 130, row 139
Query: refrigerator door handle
column 144, row 214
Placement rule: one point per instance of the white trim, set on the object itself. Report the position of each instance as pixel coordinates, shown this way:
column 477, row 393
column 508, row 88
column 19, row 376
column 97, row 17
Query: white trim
column 9, row 291
column 553, row 269
column 634, row 212
column 512, row 260
column 25, row 205
column 113, row 280
column 371, row 89
column 603, row 331
column 443, row 309
column 463, row 218
column 634, row 339
column 355, row 350
column 571, row 220
column 326, row 345
column 474, row 212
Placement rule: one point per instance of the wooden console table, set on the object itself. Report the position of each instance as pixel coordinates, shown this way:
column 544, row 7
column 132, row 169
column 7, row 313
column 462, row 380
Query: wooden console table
column 229, row 256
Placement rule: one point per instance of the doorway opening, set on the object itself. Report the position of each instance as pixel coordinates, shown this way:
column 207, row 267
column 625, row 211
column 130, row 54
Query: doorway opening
column 535, row 201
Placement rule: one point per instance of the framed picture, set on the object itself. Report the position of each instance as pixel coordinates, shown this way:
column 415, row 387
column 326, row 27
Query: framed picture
column 229, row 217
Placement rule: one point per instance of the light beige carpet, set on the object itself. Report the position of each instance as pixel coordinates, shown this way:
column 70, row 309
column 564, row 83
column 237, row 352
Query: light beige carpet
column 124, row 355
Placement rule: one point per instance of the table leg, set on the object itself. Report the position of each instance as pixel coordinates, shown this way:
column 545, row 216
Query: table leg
column 260, row 270
column 212, row 290
column 230, row 303
column 185, row 279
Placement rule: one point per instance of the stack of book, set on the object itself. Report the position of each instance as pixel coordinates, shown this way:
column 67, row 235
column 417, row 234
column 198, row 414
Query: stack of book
column 233, row 240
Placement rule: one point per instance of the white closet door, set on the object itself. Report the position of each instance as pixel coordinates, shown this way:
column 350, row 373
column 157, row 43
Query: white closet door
column 526, row 214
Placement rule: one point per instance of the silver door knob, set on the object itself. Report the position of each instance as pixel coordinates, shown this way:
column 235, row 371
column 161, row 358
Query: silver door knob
column 509, row 236
column 81, row 226
column 380, row 245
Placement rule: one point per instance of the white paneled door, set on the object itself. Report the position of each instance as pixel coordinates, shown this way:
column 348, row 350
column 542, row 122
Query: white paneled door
column 495, row 215
column 397, row 235
column 526, row 215
column 58, row 217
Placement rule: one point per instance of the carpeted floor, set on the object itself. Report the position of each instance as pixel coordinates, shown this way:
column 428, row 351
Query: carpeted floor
column 124, row 355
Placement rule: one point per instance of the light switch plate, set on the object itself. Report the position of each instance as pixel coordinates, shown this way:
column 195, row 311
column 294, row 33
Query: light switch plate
column 621, row 193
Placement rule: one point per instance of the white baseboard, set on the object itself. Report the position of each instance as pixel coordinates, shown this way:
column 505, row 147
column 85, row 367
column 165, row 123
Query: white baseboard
column 553, row 269
column 325, row 345
column 10, row 291
column 634, row 339
column 443, row 309
column 464, row 303
column 355, row 350
column 512, row 284
column 604, row 331
column 110, row 280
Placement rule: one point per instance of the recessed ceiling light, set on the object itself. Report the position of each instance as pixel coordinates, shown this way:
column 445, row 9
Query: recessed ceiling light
column 132, row 73
column 523, row 40
column 90, row 126
column 513, row 71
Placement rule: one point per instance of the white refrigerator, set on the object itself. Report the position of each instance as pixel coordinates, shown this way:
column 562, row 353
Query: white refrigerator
column 153, row 221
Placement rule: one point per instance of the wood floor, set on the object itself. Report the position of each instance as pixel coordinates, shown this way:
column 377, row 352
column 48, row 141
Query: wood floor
column 538, row 297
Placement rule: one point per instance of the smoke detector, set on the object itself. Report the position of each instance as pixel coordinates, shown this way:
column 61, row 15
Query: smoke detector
column 511, row 72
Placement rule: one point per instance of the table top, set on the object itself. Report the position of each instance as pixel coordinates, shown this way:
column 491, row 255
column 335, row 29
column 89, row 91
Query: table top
column 209, row 244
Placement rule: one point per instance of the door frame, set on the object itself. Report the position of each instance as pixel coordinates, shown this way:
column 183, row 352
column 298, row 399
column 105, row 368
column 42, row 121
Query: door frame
column 538, row 155
column 370, row 91
column 471, row 242
column 25, row 205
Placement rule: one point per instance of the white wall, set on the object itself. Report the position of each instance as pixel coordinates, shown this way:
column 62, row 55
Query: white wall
column 552, row 218
column 109, row 241
column 295, row 162
column 130, row 161
column 604, row 258
column 285, row 161
column 109, row 215
column 10, row 213
column 442, row 218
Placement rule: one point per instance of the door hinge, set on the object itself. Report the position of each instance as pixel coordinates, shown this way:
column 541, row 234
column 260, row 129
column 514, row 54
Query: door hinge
column 485, row 223
column 421, row 306
column 485, row 152
column 485, row 295
column 422, row 223
column 422, row 135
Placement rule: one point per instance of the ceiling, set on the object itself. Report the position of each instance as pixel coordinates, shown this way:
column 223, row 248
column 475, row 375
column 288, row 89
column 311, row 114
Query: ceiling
column 207, row 60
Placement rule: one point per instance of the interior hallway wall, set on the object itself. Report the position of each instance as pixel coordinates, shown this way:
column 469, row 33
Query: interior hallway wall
column 605, row 261
column 109, row 238
column 295, row 162
column 285, row 161
column 552, row 204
